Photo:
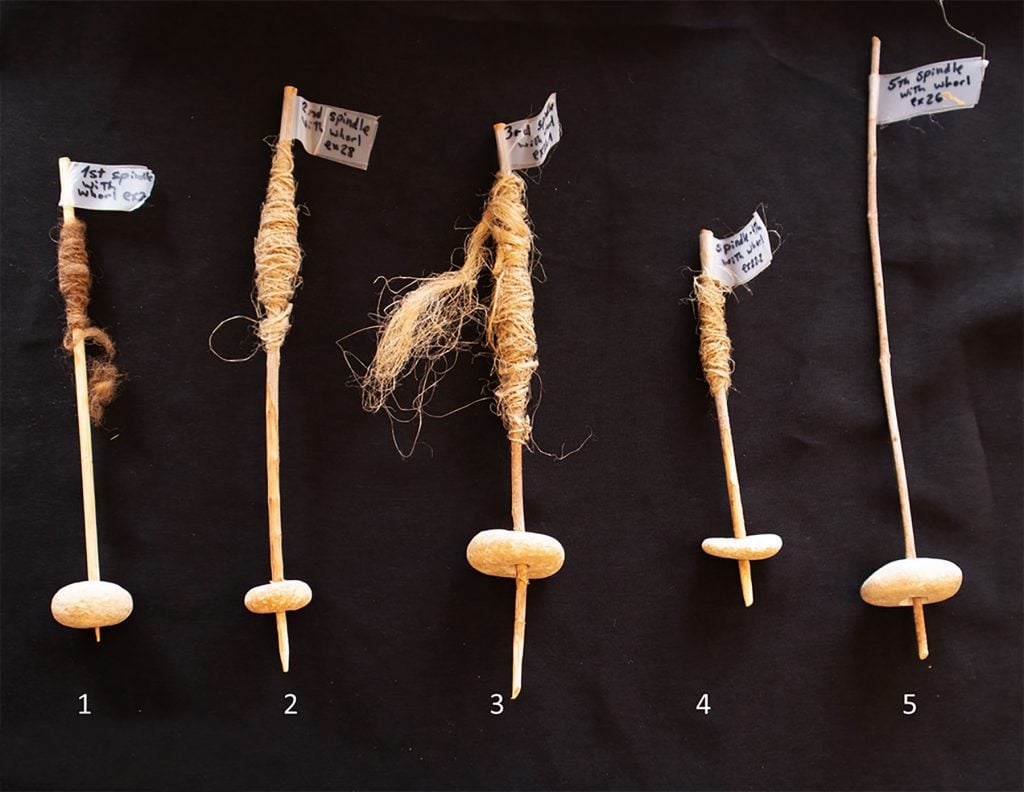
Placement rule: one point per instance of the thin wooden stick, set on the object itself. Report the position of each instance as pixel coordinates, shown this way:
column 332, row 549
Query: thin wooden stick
column 92, row 550
column 732, row 482
column 522, row 570
column 274, row 439
column 884, row 358
column 518, row 512
column 274, row 495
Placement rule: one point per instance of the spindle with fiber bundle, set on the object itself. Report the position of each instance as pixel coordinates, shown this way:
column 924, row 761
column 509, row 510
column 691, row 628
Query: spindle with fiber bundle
column 91, row 603
column 426, row 324
column 710, row 290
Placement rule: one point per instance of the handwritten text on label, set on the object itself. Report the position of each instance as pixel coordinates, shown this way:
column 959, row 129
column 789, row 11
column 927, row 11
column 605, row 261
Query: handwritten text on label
column 116, row 188
column 743, row 256
column 531, row 139
column 935, row 88
column 334, row 133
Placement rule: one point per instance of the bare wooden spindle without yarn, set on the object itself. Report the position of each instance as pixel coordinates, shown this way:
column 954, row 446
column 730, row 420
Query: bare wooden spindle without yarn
column 911, row 581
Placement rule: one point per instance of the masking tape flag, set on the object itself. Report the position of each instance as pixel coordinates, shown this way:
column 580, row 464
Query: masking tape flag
column 935, row 88
column 741, row 257
column 115, row 188
column 334, row 133
column 532, row 139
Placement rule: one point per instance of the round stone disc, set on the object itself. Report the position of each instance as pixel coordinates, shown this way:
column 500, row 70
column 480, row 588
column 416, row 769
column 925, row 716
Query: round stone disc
column 278, row 595
column 750, row 548
column 498, row 551
column 898, row 583
column 91, row 603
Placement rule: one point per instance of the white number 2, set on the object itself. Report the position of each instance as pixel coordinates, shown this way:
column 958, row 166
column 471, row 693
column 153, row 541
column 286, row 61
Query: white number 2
column 496, row 706
column 290, row 709
column 909, row 703
column 703, row 704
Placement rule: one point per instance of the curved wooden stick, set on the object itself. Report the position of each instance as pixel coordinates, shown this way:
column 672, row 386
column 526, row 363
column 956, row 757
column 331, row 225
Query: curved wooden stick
column 884, row 358
column 92, row 549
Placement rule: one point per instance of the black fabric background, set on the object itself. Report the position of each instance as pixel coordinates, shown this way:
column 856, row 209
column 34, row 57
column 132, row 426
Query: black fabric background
column 675, row 117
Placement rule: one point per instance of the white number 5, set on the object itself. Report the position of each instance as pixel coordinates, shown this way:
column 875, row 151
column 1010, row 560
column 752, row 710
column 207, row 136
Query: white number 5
column 909, row 703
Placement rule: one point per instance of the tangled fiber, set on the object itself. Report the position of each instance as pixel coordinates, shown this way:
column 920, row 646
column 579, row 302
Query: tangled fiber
column 75, row 281
column 427, row 323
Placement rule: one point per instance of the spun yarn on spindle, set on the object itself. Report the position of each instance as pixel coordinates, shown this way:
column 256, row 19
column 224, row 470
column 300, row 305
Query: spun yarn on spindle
column 277, row 252
column 510, row 330
column 427, row 323
column 715, row 347
column 75, row 282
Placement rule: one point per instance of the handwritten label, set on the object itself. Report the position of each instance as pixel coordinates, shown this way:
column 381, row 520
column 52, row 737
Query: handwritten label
column 531, row 140
column 741, row 257
column 935, row 88
column 334, row 133
column 115, row 188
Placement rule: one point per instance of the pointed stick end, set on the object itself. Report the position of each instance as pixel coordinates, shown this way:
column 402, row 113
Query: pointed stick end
column 283, row 648
column 97, row 635
column 746, row 584
column 919, row 629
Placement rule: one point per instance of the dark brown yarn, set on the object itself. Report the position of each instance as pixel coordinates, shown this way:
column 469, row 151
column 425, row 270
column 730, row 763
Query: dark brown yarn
column 75, row 280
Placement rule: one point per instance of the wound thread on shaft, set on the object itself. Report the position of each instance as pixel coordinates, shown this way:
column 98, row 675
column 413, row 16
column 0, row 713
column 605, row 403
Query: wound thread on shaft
column 75, row 281
column 510, row 329
column 277, row 252
column 715, row 347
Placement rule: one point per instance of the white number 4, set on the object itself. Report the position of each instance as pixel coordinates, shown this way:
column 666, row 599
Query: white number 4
column 703, row 704
column 909, row 703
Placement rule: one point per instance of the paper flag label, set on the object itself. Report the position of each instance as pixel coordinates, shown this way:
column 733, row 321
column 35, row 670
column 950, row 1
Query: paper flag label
column 742, row 256
column 115, row 188
column 935, row 88
column 531, row 139
column 335, row 133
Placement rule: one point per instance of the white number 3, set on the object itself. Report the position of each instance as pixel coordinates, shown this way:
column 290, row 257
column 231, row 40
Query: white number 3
column 496, row 706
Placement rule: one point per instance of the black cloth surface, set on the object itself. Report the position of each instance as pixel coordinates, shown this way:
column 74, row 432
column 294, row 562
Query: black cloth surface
column 676, row 117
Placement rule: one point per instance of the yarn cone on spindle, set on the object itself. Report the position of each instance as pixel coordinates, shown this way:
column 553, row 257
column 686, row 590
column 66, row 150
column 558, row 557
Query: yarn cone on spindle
column 278, row 259
column 716, row 360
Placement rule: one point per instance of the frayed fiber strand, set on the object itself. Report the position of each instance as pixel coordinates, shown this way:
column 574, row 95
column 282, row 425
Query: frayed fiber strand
column 427, row 323
column 277, row 251
column 75, row 281
column 715, row 347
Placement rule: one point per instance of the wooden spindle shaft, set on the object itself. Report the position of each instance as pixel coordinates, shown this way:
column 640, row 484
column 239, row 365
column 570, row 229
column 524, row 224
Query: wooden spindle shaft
column 884, row 357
